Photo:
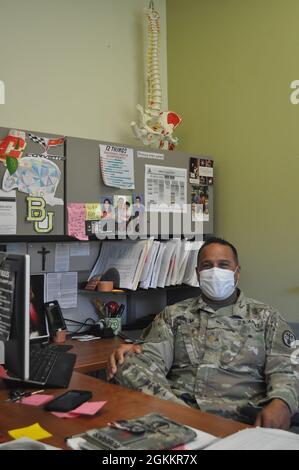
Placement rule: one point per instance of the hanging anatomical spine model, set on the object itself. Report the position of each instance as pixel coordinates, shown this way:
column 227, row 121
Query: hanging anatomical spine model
column 155, row 126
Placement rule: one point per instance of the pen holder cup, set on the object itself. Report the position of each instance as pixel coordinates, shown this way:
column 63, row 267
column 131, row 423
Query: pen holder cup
column 59, row 336
column 114, row 324
column 105, row 286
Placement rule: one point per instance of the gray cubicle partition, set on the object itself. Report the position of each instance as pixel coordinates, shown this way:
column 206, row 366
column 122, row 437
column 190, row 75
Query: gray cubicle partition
column 80, row 179
column 83, row 172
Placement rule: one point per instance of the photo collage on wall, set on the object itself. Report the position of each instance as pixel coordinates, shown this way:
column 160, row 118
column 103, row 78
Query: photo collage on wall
column 201, row 176
column 112, row 214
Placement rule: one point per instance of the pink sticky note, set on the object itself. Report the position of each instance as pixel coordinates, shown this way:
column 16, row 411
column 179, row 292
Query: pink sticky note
column 89, row 408
column 36, row 400
column 68, row 415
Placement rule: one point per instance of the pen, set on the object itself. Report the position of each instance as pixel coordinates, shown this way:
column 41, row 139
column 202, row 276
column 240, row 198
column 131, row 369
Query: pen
column 120, row 311
column 16, row 395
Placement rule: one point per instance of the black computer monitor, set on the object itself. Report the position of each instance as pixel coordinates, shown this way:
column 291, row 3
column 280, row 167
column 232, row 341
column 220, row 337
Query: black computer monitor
column 14, row 312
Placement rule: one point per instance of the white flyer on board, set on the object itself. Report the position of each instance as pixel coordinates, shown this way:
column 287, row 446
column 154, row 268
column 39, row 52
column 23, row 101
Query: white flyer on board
column 165, row 189
column 8, row 213
column 117, row 166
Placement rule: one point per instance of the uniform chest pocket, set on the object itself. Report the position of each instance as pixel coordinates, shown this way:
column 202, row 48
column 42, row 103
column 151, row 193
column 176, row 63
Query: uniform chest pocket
column 243, row 346
column 188, row 345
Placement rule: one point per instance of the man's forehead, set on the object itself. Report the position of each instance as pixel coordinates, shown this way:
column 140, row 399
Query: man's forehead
column 217, row 251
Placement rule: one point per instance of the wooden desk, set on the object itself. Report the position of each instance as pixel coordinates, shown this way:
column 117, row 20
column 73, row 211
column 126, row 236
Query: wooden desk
column 93, row 355
column 121, row 403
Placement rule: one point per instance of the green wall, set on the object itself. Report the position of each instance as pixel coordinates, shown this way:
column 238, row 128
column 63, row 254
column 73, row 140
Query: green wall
column 230, row 65
column 75, row 67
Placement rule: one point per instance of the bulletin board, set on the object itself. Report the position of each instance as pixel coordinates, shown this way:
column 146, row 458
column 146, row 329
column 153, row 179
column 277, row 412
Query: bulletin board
column 41, row 173
column 32, row 183
column 85, row 182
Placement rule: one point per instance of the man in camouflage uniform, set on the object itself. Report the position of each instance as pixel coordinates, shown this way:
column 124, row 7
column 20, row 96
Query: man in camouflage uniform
column 217, row 352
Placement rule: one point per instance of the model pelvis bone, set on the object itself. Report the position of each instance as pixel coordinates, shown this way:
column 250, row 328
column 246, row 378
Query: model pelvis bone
column 156, row 129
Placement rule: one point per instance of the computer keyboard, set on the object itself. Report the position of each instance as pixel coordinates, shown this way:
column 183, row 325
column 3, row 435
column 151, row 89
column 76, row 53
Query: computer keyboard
column 59, row 347
column 42, row 361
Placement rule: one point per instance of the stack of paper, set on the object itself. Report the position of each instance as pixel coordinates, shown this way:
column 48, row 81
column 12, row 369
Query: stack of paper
column 258, row 439
column 149, row 263
column 128, row 257
column 190, row 276
column 157, row 266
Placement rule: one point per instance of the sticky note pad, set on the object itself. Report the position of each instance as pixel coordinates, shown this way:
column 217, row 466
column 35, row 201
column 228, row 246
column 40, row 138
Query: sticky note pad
column 68, row 415
column 35, row 432
column 37, row 400
column 89, row 408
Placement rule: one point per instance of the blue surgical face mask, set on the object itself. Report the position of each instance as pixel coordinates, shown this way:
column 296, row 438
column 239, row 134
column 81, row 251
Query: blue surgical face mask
column 217, row 283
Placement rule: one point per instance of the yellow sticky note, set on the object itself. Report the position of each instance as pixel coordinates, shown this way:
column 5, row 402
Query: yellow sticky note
column 35, row 432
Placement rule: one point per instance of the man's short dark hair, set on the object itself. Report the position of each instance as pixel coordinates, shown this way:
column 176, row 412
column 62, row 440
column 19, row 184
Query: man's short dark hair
column 219, row 241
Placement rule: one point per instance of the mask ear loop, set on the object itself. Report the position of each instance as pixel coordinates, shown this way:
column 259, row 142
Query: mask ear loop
column 237, row 282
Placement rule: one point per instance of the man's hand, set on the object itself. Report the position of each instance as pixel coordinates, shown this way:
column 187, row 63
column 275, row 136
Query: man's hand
column 275, row 415
column 118, row 356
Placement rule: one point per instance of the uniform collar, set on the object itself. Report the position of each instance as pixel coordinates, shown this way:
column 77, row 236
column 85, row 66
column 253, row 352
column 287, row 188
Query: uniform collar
column 239, row 308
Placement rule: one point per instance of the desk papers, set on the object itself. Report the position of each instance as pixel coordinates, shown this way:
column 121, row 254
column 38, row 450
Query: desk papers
column 63, row 287
column 24, row 443
column 258, row 439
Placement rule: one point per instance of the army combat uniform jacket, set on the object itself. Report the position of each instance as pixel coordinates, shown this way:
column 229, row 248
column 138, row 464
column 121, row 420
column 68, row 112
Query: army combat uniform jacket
column 215, row 360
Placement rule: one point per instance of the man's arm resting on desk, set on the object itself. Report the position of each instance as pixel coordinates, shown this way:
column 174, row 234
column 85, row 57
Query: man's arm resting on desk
column 147, row 370
column 274, row 415
column 117, row 357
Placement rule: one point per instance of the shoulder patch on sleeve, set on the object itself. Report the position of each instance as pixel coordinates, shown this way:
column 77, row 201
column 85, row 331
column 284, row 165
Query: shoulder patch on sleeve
column 289, row 339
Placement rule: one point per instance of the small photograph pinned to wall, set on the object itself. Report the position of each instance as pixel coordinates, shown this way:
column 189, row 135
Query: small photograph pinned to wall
column 107, row 207
column 203, row 181
column 137, row 219
column 123, row 210
column 138, row 207
column 206, row 171
column 93, row 215
column 200, row 203
column 107, row 225
column 92, row 227
column 194, row 171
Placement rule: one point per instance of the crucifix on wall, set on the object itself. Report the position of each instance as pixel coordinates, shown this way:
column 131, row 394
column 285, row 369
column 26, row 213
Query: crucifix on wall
column 44, row 254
